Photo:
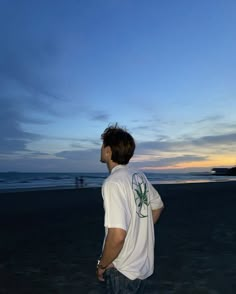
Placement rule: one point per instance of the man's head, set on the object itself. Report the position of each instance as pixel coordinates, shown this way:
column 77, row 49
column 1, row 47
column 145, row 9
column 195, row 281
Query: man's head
column 118, row 144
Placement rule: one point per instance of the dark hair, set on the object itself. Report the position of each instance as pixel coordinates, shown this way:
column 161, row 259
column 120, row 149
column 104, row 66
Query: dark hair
column 122, row 144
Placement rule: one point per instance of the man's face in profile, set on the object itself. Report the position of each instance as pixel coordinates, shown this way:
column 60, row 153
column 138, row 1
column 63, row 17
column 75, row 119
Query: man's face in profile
column 102, row 159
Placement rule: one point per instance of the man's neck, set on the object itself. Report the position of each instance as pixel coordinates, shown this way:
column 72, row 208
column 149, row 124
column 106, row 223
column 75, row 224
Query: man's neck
column 111, row 165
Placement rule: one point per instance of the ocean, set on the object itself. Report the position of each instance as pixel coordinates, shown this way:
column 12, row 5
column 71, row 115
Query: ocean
column 12, row 181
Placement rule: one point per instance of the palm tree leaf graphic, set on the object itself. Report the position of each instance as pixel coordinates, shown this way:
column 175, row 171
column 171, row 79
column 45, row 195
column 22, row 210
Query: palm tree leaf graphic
column 139, row 186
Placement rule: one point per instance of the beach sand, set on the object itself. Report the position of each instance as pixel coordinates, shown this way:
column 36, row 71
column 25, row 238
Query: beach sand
column 50, row 241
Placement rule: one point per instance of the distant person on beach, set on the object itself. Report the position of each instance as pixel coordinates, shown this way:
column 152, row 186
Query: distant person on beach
column 132, row 206
column 81, row 181
column 76, row 182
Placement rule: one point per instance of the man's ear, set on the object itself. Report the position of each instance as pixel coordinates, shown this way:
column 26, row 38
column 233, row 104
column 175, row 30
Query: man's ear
column 108, row 151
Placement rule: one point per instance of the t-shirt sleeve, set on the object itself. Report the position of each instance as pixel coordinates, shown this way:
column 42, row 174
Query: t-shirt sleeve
column 117, row 214
column 155, row 198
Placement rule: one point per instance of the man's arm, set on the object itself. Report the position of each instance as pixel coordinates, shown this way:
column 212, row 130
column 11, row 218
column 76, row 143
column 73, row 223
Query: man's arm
column 113, row 244
column 156, row 214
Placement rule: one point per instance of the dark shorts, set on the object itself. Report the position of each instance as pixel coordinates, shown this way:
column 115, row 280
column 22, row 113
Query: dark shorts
column 117, row 283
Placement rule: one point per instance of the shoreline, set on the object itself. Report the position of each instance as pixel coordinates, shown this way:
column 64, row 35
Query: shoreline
column 155, row 183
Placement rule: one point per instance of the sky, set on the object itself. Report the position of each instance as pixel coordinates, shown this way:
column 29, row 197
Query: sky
column 163, row 69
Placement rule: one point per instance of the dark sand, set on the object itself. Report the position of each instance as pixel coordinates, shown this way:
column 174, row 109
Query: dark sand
column 50, row 241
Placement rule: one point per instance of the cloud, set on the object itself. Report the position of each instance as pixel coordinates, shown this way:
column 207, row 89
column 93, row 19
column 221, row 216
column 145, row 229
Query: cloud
column 169, row 161
column 26, row 84
column 83, row 143
column 215, row 141
column 24, row 76
column 99, row 116
column 26, row 56
column 211, row 118
column 224, row 139
column 13, row 138
column 155, row 146
column 51, row 165
column 91, row 154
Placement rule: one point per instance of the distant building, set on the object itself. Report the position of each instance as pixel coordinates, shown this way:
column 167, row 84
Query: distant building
column 220, row 171
column 232, row 171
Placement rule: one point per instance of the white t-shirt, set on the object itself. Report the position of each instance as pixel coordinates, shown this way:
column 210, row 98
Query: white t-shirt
column 129, row 199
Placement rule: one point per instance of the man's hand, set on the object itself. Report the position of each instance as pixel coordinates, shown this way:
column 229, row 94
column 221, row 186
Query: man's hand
column 100, row 273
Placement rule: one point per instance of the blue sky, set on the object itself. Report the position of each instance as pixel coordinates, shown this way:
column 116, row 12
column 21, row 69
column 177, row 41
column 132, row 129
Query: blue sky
column 165, row 70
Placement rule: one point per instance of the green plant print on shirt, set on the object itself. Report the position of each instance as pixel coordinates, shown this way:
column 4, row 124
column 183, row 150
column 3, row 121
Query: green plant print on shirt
column 140, row 189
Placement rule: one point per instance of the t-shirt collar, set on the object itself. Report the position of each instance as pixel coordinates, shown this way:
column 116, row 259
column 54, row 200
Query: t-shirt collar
column 119, row 166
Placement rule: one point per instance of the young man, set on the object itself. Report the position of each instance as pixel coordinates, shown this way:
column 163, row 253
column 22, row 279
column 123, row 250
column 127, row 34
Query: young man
column 132, row 207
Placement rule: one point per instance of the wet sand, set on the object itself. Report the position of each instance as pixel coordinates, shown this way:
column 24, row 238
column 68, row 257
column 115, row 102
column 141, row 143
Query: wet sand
column 50, row 241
